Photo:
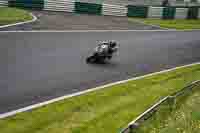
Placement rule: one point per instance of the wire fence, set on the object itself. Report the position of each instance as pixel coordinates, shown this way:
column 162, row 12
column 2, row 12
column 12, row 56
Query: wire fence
column 132, row 126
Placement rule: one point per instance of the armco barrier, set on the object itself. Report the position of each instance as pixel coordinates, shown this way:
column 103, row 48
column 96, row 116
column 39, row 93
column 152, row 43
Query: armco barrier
column 114, row 10
column 192, row 13
column 199, row 13
column 149, row 112
column 3, row 3
column 178, row 12
column 181, row 13
column 155, row 12
column 30, row 4
column 59, row 5
column 88, row 8
column 137, row 11
column 169, row 13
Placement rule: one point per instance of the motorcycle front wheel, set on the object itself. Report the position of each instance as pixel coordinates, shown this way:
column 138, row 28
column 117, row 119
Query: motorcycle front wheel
column 90, row 59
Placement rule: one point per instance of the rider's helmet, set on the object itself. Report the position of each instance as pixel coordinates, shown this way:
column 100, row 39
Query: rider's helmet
column 113, row 43
column 102, row 43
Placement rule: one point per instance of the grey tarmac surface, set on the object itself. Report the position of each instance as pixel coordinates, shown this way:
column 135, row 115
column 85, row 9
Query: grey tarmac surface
column 40, row 66
column 48, row 20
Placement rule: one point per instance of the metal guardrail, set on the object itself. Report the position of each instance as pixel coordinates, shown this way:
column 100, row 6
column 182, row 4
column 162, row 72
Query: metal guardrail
column 59, row 5
column 3, row 3
column 69, row 6
column 114, row 10
column 185, row 89
column 149, row 112
column 155, row 12
column 198, row 14
column 181, row 13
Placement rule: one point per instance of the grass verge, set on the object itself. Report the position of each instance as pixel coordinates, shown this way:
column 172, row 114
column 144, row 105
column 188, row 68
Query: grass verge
column 13, row 15
column 178, row 24
column 104, row 111
column 183, row 118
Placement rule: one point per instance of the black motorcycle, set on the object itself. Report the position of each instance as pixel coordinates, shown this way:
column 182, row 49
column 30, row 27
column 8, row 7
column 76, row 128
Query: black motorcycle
column 101, row 54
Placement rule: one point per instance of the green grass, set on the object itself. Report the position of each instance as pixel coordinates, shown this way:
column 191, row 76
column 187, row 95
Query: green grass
column 13, row 15
column 178, row 24
column 183, row 118
column 104, row 111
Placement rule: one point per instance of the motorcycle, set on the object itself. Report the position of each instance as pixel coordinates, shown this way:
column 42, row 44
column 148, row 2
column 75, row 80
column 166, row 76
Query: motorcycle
column 100, row 54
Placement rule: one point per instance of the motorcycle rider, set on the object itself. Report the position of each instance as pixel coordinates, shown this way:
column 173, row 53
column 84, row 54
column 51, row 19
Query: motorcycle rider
column 111, row 46
column 105, row 49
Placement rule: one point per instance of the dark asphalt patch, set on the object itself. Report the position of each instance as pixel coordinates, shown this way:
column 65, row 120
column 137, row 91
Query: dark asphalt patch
column 40, row 66
column 48, row 20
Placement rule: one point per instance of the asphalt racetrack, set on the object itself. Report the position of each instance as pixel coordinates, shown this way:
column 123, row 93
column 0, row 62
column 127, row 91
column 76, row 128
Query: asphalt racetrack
column 39, row 66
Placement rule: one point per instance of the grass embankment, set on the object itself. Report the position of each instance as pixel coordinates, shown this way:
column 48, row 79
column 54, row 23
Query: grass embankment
column 184, row 118
column 104, row 111
column 179, row 24
column 13, row 15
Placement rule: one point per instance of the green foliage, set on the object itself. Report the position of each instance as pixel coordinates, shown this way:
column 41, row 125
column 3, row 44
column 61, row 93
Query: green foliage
column 13, row 15
column 178, row 24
